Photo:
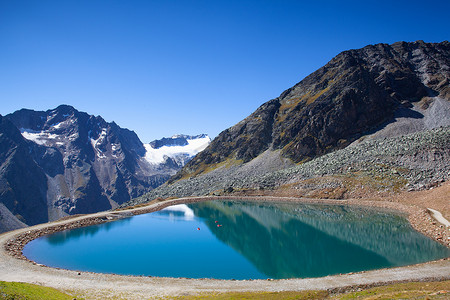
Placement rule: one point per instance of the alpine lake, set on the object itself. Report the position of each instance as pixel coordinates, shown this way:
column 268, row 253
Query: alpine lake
column 240, row 240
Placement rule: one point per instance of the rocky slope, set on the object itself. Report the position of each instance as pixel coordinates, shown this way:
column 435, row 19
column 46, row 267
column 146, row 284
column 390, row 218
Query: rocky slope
column 373, row 120
column 23, row 183
column 63, row 161
column 367, row 168
column 356, row 93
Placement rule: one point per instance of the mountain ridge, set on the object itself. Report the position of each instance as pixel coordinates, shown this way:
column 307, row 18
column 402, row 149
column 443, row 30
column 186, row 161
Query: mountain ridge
column 175, row 140
column 355, row 93
column 313, row 145
column 62, row 162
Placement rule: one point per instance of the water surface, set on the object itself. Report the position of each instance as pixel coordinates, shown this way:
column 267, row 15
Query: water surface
column 240, row 240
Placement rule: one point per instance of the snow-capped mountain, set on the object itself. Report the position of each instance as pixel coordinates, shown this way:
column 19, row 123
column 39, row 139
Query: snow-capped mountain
column 178, row 148
column 62, row 161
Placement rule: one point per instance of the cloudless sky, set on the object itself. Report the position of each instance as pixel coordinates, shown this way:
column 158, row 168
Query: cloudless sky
column 167, row 67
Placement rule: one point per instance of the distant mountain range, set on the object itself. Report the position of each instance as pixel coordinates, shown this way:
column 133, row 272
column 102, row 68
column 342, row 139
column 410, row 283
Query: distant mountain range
column 175, row 151
column 63, row 162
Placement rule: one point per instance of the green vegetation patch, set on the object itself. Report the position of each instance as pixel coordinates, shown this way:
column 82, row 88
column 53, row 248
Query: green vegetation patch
column 410, row 290
column 259, row 295
column 27, row 291
column 203, row 168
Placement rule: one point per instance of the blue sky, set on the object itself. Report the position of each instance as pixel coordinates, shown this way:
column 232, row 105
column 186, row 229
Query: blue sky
column 166, row 67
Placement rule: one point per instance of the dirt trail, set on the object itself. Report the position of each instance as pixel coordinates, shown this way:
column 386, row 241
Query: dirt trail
column 437, row 198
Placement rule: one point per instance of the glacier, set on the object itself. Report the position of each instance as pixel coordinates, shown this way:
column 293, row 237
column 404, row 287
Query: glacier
column 158, row 155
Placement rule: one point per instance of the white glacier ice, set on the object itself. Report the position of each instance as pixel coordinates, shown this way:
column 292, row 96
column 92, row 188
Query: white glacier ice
column 194, row 146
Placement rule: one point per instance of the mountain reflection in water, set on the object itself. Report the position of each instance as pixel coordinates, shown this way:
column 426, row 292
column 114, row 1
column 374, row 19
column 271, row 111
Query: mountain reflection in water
column 240, row 240
column 297, row 240
column 62, row 237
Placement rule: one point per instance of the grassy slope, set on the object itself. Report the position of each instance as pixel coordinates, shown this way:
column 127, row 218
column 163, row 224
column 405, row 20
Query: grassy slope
column 26, row 291
column 410, row 290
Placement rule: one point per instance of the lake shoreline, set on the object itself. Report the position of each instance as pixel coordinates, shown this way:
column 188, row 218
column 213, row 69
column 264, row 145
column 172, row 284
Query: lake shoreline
column 420, row 219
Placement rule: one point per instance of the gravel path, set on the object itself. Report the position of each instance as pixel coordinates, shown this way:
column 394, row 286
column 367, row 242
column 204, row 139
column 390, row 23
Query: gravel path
column 100, row 286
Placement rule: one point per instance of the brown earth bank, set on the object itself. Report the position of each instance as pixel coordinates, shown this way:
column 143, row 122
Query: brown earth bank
column 15, row 267
column 437, row 198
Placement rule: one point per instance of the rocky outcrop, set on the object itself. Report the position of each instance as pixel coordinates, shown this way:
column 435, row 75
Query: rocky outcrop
column 23, row 184
column 353, row 95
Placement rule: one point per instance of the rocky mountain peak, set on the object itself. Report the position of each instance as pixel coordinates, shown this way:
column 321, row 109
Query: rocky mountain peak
column 78, row 163
column 354, row 94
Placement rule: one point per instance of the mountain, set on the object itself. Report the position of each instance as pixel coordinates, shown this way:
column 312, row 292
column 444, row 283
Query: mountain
column 23, row 183
column 355, row 93
column 376, row 97
column 63, row 162
column 174, row 152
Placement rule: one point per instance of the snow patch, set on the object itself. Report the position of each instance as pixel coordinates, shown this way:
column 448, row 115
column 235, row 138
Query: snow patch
column 73, row 136
column 98, row 141
column 194, row 146
column 439, row 217
column 115, row 149
column 57, row 125
column 39, row 137
column 60, row 124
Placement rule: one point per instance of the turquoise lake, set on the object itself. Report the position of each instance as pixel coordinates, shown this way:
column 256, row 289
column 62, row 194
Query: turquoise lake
column 240, row 240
